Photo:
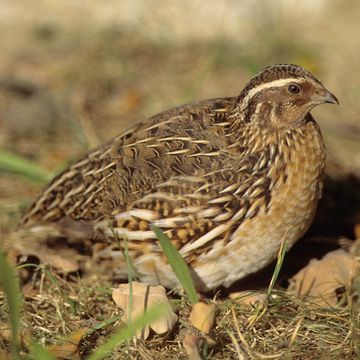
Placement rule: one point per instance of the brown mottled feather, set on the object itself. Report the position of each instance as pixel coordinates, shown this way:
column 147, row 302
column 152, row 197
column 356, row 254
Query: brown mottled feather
column 218, row 176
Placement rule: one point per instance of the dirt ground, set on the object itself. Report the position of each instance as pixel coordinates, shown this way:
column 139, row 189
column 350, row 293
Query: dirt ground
column 73, row 76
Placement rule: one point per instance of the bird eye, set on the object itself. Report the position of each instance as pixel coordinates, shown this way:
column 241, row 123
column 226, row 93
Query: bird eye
column 294, row 89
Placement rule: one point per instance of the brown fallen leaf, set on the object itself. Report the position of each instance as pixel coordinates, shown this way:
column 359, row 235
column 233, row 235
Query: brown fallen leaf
column 191, row 347
column 6, row 335
column 319, row 280
column 248, row 298
column 27, row 243
column 69, row 349
column 144, row 297
column 202, row 316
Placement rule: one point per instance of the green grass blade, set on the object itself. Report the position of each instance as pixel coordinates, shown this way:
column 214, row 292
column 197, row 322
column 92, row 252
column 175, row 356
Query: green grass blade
column 178, row 265
column 9, row 283
column 16, row 164
column 38, row 352
column 126, row 333
column 279, row 262
column 105, row 323
column 129, row 269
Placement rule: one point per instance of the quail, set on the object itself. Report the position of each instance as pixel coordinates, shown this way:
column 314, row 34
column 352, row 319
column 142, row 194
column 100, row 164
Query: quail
column 227, row 179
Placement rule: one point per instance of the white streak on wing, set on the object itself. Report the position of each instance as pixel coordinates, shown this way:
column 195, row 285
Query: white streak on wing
column 54, row 204
column 123, row 216
column 79, row 164
column 221, row 199
column 241, row 188
column 196, row 196
column 229, row 188
column 177, row 152
column 239, row 214
column 210, row 212
column 200, row 141
column 139, row 142
column 74, row 206
column 188, row 210
column 123, row 233
column 51, row 213
column 105, row 168
column 172, row 222
column 88, row 200
column 179, row 181
column 214, row 153
column 68, row 175
column 162, row 123
column 160, row 196
column 171, row 182
column 202, row 187
column 223, row 217
column 212, row 234
column 188, row 178
column 143, row 214
column 258, row 182
column 76, row 190
column 170, row 138
column 222, row 124
column 89, row 189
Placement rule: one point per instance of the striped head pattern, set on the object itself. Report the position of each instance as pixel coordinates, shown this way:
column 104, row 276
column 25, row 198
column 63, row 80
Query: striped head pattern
column 282, row 94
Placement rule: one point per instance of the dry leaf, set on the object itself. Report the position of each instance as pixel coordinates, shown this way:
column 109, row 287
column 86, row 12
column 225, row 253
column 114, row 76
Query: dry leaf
column 34, row 244
column 70, row 348
column 248, row 298
column 144, row 297
column 202, row 316
column 6, row 334
column 318, row 281
column 191, row 347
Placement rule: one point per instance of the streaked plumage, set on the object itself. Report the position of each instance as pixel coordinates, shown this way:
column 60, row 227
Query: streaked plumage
column 227, row 179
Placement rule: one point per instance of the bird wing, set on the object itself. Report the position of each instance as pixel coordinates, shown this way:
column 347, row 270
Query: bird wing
column 125, row 165
column 179, row 170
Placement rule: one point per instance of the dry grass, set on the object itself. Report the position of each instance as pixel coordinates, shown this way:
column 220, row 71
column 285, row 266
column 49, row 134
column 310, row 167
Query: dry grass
column 288, row 329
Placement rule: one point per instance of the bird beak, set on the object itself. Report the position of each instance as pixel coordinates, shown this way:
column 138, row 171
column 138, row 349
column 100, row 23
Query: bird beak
column 329, row 98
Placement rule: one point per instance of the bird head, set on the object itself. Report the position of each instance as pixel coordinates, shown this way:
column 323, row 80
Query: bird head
column 282, row 95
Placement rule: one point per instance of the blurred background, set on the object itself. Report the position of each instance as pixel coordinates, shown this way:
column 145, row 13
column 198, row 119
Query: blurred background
column 75, row 73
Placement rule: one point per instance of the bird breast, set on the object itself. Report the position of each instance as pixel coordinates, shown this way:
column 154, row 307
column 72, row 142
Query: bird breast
column 296, row 181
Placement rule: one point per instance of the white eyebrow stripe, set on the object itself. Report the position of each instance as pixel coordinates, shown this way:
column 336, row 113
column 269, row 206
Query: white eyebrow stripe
column 274, row 83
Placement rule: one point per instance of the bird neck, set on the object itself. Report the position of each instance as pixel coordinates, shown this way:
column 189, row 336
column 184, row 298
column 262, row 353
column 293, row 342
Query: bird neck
column 252, row 134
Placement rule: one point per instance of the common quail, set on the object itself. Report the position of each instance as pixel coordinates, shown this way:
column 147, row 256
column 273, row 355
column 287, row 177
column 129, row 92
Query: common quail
column 227, row 179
